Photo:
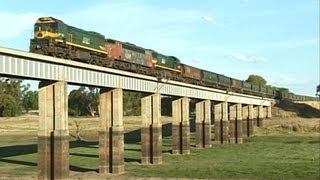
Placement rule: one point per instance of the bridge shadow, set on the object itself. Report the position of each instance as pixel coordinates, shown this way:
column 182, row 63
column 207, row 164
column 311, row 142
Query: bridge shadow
column 302, row 110
column 130, row 138
column 7, row 152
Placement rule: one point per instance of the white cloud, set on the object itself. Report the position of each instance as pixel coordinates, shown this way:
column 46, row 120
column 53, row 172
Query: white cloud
column 14, row 25
column 247, row 58
column 213, row 21
column 207, row 18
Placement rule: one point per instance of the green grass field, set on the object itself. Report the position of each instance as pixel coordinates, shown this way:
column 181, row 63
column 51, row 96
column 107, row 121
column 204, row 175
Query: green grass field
column 281, row 156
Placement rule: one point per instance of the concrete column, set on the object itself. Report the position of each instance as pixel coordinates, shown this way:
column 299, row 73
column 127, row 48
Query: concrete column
column 265, row 112
column 225, row 122
column 53, row 133
column 245, row 121
column 260, row 116
column 221, row 123
column 255, row 115
column 232, row 123
column 217, row 123
column 269, row 113
column 151, row 130
column 181, row 126
column 235, row 123
column 239, row 139
column 203, row 124
column 111, row 140
column 251, row 120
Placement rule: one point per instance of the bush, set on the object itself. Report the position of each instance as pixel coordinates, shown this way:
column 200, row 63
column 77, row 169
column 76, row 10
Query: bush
column 8, row 106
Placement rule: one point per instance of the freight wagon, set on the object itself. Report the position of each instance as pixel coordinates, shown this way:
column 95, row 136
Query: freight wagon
column 192, row 74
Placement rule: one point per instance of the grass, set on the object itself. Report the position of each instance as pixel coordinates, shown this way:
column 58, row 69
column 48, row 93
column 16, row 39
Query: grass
column 279, row 156
column 264, row 157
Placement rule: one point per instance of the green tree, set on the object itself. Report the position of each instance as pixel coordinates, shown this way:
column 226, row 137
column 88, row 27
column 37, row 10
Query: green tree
column 93, row 100
column 283, row 89
column 256, row 80
column 77, row 102
column 8, row 106
column 132, row 103
column 84, row 101
column 11, row 91
column 30, row 100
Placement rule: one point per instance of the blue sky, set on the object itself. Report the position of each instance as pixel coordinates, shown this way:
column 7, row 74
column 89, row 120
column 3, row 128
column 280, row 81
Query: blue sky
column 278, row 40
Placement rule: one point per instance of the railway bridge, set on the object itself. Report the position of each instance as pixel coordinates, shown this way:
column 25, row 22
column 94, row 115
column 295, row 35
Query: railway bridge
column 234, row 114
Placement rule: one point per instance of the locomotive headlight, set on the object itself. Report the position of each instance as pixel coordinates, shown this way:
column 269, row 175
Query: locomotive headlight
column 39, row 34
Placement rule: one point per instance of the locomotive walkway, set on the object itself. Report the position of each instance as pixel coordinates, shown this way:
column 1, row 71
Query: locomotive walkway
column 234, row 114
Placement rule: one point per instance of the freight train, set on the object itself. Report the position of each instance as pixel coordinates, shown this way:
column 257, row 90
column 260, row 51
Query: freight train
column 55, row 38
column 284, row 94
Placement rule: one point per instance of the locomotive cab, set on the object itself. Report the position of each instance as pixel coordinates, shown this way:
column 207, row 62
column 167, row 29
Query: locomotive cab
column 55, row 38
column 47, row 31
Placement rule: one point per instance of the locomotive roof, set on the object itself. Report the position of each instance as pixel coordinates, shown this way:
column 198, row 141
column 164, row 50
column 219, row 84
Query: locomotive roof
column 52, row 20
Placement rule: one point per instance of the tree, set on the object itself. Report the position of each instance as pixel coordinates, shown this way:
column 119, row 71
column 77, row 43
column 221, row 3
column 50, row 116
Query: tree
column 84, row 101
column 30, row 100
column 283, row 89
column 256, row 80
column 132, row 103
column 77, row 102
column 8, row 106
column 93, row 100
column 11, row 92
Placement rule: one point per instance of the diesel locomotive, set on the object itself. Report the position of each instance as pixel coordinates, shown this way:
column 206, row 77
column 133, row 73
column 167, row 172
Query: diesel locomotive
column 55, row 38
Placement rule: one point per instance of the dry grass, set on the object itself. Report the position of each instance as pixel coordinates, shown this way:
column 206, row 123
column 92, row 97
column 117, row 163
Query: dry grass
column 27, row 125
column 302, row 126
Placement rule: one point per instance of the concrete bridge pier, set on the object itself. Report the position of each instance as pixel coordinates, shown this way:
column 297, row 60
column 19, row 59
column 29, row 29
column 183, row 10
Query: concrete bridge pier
column 255, row 115
column 151, row 130
column 265, row 112
column 235, row 124
column 111, row 140
column 53, row 133
column 203, row 124
column 260, row 116
column 180, row 126
column 252, row 113
column 245, row 121
column 269, row 113
column 221, row 123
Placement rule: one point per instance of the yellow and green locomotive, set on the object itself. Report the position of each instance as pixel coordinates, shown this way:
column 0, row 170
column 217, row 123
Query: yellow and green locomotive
column 55, row 38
